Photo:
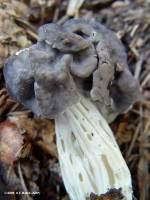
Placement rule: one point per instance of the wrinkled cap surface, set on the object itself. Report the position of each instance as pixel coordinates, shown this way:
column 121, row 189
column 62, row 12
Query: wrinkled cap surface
column 77, row 58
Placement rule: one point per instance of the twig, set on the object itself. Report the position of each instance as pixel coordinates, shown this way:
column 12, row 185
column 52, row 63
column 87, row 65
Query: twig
column 143, row 173
column 138, row 113
column 22, row 179
column 134, row 30
column 135, row 136
column 63, row 19
column 138, row 68
column 56, row 14
column 147, row 78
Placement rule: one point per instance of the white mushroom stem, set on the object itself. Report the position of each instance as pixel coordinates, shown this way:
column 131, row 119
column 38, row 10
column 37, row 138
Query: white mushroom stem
column 89, row 156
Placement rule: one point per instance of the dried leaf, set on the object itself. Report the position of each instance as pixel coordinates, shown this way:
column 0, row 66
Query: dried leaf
column 11, row 142
column 40, row 131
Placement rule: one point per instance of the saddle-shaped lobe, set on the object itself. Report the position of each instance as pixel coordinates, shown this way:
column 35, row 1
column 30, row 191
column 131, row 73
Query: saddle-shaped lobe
column 107, row 79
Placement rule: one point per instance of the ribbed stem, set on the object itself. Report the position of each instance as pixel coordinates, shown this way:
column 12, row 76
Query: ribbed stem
column 89, row 156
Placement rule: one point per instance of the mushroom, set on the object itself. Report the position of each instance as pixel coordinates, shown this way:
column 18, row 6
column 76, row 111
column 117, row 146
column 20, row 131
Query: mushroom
column 71, row 75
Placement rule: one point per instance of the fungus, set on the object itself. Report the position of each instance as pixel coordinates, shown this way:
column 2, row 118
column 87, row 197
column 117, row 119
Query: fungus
column 74, row 73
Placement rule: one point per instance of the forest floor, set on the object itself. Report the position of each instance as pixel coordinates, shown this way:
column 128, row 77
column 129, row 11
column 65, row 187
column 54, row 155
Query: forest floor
column 36, row 167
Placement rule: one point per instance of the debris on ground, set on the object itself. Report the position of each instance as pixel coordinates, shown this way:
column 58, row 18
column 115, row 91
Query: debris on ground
column 28, row 156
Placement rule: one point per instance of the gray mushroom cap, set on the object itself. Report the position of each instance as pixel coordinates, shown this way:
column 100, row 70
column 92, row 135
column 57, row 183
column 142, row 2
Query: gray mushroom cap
column 61, row 39
column 78, row 58
column 19, row 80
column 84, row 62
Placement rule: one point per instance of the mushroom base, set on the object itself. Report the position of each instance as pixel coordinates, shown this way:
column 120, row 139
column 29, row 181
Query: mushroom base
column 90, row 159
